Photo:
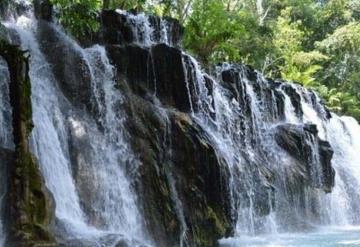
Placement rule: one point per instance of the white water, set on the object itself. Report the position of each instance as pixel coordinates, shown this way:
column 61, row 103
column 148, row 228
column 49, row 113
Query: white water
column 232, row 142
column 343, row 134
column 6, row 138
column 323, row 237
column 167, row 159
column 5, row 133
column 113, row 201
column 337, row 208
column 112, row 163
column 144, row 32
column 49, row 134
column 116, row 196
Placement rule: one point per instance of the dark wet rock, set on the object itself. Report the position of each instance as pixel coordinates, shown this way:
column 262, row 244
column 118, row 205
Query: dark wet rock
column 134, row 64
column 43, row 9
column 68, row 64
column 300, row 142
column 203, row 180
column 271, row 99
column 3, row 7
column 172, row 26
column 6, row 159
column 147, row 128
column 173, row 149
column 169, row 77
column 294, row 98
column 158, row 71
column 117, row 28
column 326, row 153
column 4, row 34
column 232, row 81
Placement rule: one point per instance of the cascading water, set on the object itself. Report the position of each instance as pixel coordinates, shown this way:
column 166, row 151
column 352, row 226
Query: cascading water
column 6, row 141
column 148, row 30
column 167, row 147
column 113, row 204
column 116, row 196
column 343, row 135
column 243, row 129
column 49, row 135
column 273, row 139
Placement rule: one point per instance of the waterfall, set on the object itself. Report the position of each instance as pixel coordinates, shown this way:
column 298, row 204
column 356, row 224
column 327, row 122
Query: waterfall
column 275, row 143
column 343, row 133
column 110, row 149
column 148, row 30
column 6, row 141
column 49, row 135
column 113, row 211
column 170, row 175
column 243, row 129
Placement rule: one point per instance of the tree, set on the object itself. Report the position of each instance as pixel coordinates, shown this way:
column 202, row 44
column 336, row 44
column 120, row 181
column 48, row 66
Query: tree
column 78, row 16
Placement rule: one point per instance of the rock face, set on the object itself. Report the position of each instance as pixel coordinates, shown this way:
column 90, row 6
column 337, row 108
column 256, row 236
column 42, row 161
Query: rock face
column 178, row 163
column 148, row 70
column 299, row 142
column 29, row 205
column 43, row 9
column 67, row 62
column 178, row 166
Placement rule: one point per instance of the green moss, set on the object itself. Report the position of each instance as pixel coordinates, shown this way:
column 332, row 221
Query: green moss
column 33, row 206
column 209, row 227
column 30, row 204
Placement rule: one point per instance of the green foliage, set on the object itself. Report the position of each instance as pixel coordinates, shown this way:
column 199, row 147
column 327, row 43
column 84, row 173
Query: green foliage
column 78, row 16
column 219, row 31
column 124, row 4
column 316, row 43
column 343, row 48
column 209, row 28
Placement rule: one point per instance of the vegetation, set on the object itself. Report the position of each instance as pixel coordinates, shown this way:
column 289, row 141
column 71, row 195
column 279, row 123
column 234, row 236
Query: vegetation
column 313, row 42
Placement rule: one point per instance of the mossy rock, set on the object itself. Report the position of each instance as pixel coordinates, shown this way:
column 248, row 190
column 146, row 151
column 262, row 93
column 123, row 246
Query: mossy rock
column 4, row 35
column 29, row 204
